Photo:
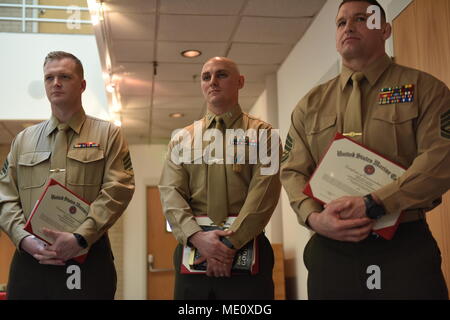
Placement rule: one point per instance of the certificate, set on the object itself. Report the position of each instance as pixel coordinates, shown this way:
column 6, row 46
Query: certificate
column 58, row 209
column 350, row 169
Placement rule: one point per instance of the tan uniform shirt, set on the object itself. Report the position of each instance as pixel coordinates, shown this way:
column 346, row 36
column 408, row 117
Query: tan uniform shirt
column 102, row 175
column 414, row 134
column 251, row 196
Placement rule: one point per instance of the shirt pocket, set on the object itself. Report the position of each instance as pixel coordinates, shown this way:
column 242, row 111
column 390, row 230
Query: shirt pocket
column 33, row 169
column 85, row 167
column 397, row 122
column 320, row 133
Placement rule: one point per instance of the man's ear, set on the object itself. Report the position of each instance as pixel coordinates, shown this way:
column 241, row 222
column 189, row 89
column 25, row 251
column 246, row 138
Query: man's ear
column 83, row 85
column 241, row 82
column 387, row 31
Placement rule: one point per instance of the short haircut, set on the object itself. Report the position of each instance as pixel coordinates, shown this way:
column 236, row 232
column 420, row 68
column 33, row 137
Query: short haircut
column 59, row 55
column 372, row 2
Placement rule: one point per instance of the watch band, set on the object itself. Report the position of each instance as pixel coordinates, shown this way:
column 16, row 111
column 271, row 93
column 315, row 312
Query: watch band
column 81, row 240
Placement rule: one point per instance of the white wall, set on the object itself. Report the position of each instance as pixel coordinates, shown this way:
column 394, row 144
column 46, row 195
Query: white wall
column 21, row 77
column 314, row 60
column 266, row 109
column 148, row 162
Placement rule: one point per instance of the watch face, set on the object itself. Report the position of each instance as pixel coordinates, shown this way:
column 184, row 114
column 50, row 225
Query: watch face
column 376, row 212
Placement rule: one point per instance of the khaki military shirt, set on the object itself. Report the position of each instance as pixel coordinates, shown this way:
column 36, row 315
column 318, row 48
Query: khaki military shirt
column 102, row 175
column 251, row 195
column 415, row 134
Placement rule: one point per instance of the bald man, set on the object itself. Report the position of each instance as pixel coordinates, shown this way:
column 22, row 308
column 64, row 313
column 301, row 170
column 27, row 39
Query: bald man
column 232, row 187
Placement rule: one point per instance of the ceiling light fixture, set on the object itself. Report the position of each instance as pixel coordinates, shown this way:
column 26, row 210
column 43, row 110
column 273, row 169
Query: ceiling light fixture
column 110, row 87
column 191, row 53
column 176, row 115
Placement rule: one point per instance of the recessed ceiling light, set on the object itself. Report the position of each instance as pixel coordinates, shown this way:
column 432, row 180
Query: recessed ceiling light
column 176, row 115
column 110, row 87
column 191, row 53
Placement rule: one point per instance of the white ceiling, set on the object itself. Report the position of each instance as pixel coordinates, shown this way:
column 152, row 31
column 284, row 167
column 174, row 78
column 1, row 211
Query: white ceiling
column 257, row 34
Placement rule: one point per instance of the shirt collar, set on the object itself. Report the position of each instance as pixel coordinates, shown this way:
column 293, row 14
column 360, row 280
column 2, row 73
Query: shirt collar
column 372, row 72
column 229, row 117
column 75, row 123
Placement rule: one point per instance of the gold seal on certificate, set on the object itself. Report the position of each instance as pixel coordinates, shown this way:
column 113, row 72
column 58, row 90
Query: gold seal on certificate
column 59, row 209
column 350, row 169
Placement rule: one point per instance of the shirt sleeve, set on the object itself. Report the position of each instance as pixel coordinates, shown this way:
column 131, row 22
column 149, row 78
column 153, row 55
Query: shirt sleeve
column 428, row 178
column 12, row 219
column 174, row 192
column 262, row 198
column 297, row 167
column 116, row 191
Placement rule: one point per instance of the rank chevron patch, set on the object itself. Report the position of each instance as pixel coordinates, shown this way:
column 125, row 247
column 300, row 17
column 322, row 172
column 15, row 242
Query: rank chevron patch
column 445, row 125
column 4, row 170
column 287, row 148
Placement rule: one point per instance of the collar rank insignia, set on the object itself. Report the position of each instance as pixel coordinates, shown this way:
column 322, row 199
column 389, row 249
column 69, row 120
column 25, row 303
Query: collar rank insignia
column 397, row 95
column 85, row 145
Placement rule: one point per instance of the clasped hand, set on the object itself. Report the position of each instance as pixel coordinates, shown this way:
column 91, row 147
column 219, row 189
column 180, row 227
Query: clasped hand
column 64, row 247
column 343, row 219
column 218, row 256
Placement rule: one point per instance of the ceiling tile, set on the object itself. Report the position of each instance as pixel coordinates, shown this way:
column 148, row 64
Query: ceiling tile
column 177, row 104
column 135, row 102
column 163, row 126
column 133, row 51
column 133, row 6
column 196, row 28
column 211, row 7
column 259, row 53
column 271, row 30
column 130, row 86
column 171, row 51
column 283, row 8
column 131, row 26
column 179, row 72
column 177, row 89
column 138, row 70
column 136, row 119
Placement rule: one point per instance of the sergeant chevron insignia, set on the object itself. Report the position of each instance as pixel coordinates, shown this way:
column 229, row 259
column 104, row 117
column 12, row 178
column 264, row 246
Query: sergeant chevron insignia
column 287, row 148
column 445, row 125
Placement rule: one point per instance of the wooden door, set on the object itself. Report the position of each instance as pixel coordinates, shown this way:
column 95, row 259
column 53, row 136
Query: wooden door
column 160, row 247
column 6, row 252
column 422, row 41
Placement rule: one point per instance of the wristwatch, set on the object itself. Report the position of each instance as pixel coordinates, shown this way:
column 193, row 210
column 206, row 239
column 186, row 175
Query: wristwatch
column 81, row 240
column 227, row 242
column 373, row 210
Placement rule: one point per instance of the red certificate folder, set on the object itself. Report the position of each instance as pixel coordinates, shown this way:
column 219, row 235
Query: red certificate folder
column 351, row 169
column 251, row 248
column 60, row 209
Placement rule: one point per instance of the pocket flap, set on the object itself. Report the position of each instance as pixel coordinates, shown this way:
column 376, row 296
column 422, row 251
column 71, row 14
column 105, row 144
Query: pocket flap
column 86, row 155
column 323, row 122
column 396, row 114
column 33, row 158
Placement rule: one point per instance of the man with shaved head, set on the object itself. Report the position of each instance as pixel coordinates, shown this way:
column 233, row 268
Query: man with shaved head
column 219, row 190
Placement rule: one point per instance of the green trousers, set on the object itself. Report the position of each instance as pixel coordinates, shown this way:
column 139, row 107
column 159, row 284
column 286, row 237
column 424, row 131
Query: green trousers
column 96, row 278
column 237, row 287
column 406, row 267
